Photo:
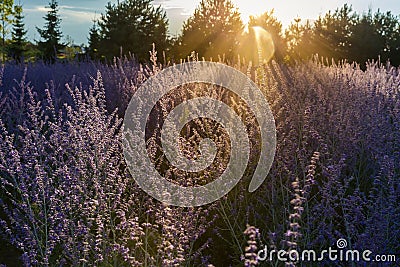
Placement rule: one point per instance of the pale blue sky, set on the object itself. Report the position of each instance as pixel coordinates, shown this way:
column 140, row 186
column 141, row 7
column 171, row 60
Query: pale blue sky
column 77, row 16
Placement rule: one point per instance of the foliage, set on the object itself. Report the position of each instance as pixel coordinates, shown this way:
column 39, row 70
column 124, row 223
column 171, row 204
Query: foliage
column 51, row 34
column 67, row 199
column 6, row 11
column 344, row 34
column 271, row 24
column 213, row 30
column 387, row 26
column 333, row 31
column 94, row 41
column 18, row 40
column 298, row 38
column 133, row 26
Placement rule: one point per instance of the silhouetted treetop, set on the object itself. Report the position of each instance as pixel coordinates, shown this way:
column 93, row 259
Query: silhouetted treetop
column 214, row 29
column 51, row 34
column 132, row 26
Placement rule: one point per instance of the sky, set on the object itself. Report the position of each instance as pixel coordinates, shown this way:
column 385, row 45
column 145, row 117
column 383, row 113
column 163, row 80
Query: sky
column 77, row 16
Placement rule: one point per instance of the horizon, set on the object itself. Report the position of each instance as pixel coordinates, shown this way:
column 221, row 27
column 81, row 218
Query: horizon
column 77, row 20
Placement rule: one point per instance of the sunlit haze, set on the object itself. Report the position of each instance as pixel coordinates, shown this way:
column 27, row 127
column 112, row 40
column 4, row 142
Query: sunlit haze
column 77, row 18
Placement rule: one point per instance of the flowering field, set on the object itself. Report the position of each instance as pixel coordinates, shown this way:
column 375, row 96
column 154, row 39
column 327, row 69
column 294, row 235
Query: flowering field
column 67, row 198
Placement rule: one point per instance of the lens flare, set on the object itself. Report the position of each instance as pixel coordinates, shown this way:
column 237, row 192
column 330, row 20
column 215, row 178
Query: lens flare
column 257, row 45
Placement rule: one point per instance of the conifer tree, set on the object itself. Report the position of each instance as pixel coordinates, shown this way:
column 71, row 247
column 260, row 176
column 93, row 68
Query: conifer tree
column 51, row 34
column 94, row 41
column 18, row 40
column 212, row 30
column 132, row 26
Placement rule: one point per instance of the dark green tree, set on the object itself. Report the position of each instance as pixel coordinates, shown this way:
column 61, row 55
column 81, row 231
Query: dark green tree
column 394, row 54
column 366, row 42
column 214, row 29
column 387, row 26
column 132, row 26
column 94, row 41
column 6, row 11
column 18, row 41
column 51, row 34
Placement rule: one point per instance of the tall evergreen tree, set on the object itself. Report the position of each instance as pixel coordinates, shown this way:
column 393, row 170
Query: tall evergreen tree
column 366, row 42
column 18, row 40
column 214, row 29
column 387, row 27
column 293, row 35
column 133, row 26
column 51, row 33
column 94, row 41
column 299, row 40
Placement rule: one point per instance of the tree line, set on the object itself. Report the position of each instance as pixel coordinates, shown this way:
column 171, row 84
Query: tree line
column 18, row 48
column 214, row 30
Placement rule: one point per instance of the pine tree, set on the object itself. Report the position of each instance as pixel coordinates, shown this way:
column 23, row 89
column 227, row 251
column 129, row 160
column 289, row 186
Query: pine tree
column 18, row 40
column 366, row 43
column 299, row 40
column 51, row 34
column 133, row 26
column 212, row 30
column 94, row 41
column 387, row 26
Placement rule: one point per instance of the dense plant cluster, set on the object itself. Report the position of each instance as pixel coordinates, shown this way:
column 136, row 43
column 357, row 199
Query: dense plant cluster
column 66, row 197
column 124, row 24
column 214, row 29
